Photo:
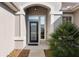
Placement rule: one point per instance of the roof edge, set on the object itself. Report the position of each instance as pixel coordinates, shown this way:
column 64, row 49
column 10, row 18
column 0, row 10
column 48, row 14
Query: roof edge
column 12, row 6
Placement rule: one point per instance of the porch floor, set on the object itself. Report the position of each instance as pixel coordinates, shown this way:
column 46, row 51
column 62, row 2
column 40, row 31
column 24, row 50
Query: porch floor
column 42, row 45
column 36, row 53
column 31, row 51
column 38, row 50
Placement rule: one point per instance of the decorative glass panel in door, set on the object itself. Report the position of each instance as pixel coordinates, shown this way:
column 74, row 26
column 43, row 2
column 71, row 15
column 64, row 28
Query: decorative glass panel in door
column 33, row 32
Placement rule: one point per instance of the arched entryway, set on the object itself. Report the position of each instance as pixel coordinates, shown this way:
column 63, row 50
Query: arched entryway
column 36, row 23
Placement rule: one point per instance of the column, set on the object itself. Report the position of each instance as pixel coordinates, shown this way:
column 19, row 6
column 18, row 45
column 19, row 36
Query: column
column 18, row 41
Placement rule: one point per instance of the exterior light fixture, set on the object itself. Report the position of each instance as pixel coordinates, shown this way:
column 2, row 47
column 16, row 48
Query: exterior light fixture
column 68, row 7
column 35, row 9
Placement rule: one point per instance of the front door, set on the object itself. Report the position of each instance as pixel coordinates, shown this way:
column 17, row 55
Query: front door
column 36, row 29
column 33, row 35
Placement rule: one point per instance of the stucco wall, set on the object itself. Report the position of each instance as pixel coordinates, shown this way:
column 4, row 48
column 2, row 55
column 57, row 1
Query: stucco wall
column 76, row 17
column 54, row 9
column 6, row 31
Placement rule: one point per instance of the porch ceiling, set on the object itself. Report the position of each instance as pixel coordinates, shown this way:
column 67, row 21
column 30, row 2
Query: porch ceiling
column 11, row 6
column 69, row 6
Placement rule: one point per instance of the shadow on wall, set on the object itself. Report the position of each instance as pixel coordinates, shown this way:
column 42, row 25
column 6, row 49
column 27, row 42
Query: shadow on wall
column 57, row 23
column 26, row 24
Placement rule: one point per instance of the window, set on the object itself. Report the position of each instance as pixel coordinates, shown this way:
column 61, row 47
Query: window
column 42, row 26
column 67, row 18
column 33, row 18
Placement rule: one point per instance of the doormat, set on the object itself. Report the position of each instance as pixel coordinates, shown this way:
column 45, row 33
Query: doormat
column 33, row 44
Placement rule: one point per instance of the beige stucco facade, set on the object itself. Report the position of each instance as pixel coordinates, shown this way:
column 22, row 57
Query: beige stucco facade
column 13, row 25
column 76, row 17
column 53, row 15
column 7, row 23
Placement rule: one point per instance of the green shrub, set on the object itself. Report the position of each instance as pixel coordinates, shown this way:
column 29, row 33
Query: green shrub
column 65, row 41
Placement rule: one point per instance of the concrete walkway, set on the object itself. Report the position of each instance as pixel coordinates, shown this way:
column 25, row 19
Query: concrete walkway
column 36, row 53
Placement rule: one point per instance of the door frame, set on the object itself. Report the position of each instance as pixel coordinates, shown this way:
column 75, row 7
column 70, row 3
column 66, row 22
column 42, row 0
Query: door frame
column 39, row 35
column 29, row 33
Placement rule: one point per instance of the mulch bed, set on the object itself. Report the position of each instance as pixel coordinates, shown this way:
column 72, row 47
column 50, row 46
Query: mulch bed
column 19, row 53
column 47, row 52
column 14, row 53
column 24, row 53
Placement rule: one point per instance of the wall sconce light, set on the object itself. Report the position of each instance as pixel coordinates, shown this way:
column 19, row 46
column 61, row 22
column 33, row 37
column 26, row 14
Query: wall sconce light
column 35, row 9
